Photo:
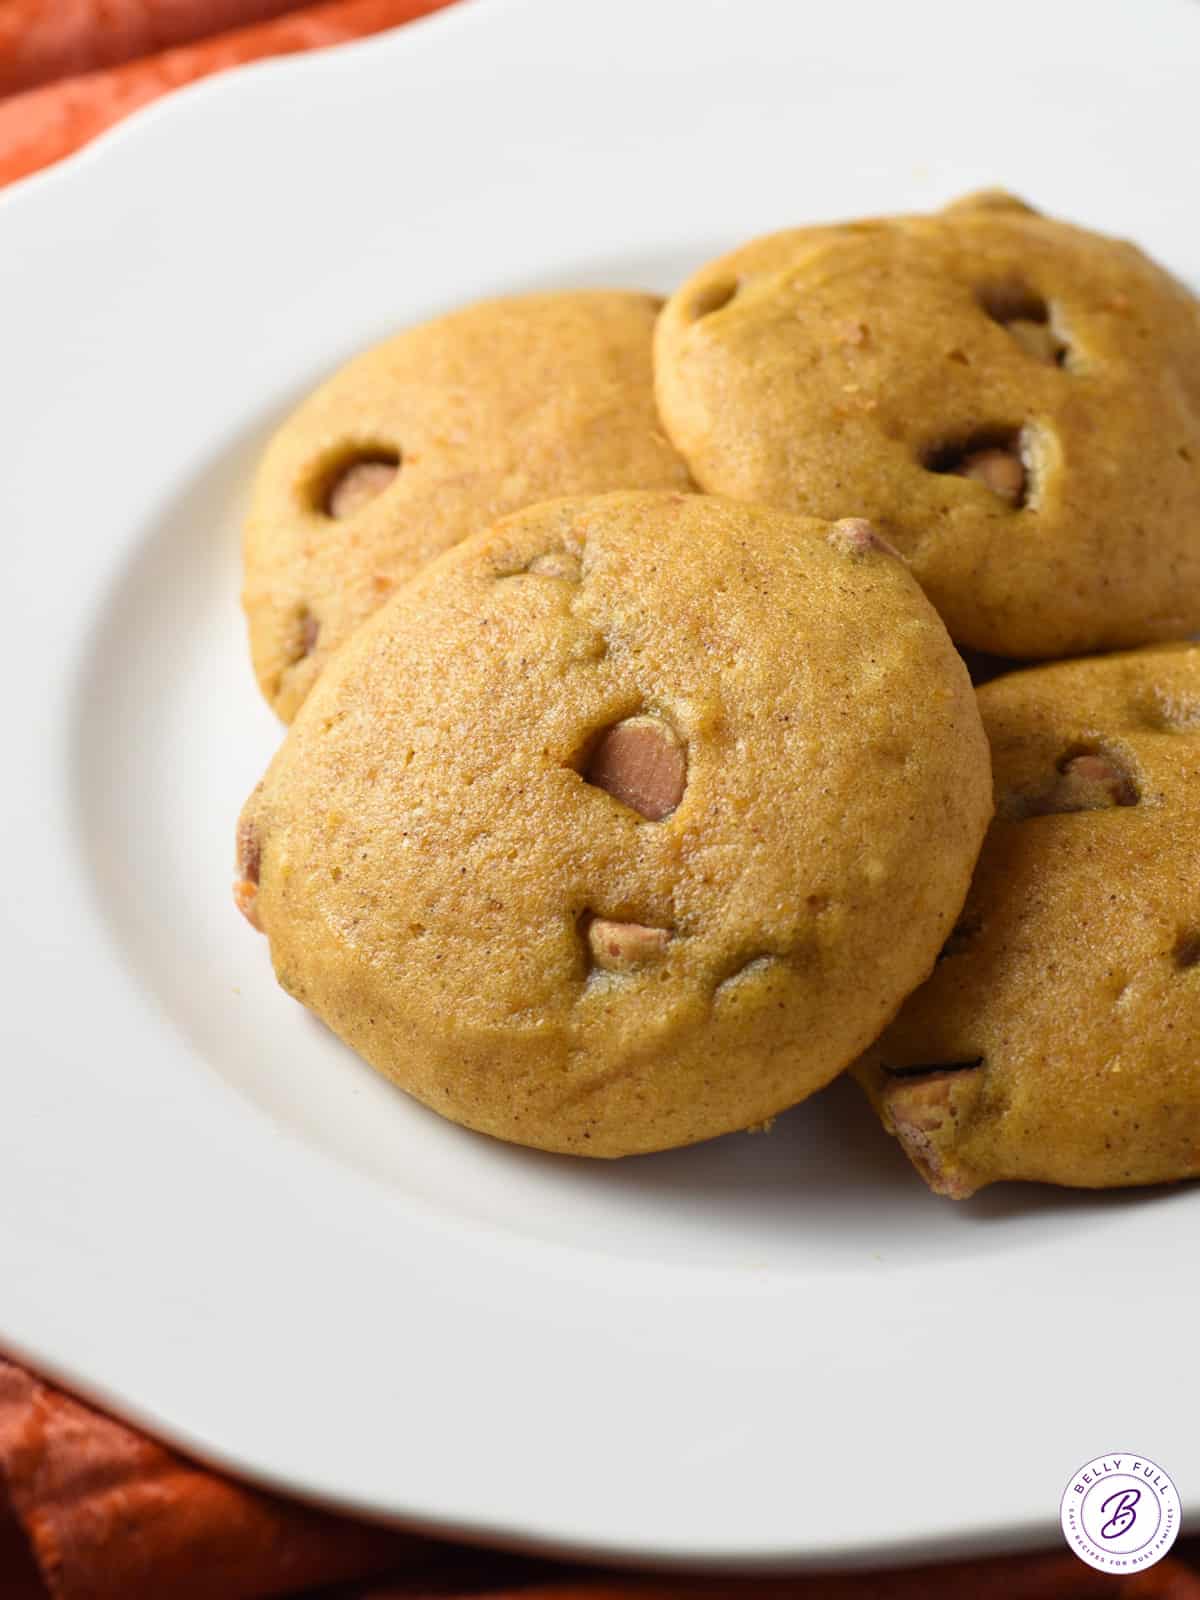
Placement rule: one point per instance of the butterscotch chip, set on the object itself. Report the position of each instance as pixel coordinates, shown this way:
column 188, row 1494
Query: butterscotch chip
column 310, row 632
column 1058, row 368
column 1090, row 782
column 1085, row 782
column 1000, row 471
column 1058, row 1040
column 642, row 763
column 433, row 435
column 855, row 536
column 620, row 946
column 245, row 897
column 1037, row 339
column 921, row 1112
column 584, row 860
column 249, row 851
column 249, row 868
column 358, row 485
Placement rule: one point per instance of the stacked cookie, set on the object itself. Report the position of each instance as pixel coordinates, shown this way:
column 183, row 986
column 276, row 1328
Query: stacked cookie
column 635, row 786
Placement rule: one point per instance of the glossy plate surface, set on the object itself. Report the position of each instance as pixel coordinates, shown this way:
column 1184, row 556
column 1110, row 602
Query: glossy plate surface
column 213, row 1219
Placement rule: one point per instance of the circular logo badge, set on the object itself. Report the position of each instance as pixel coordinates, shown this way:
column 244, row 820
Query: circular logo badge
column 1120, row 1513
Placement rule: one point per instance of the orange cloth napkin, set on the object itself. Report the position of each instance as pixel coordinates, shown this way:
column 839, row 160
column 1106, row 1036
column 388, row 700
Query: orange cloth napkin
column 42, row 124
column 90, row 1509
column 41, row 40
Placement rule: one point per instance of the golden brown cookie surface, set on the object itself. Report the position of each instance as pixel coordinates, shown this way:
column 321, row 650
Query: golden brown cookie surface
column 1014, row 402
column 627, row 823
column 431, row 436
column 1064, row 1013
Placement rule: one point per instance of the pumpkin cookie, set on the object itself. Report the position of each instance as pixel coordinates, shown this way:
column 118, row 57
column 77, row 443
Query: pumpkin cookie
column 429, row 437
column 626, row 823
column 1014, row 402
column 1059, row 1038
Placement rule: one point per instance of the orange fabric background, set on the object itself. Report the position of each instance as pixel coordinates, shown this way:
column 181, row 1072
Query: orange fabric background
column 41, row 40
column 89, row 1509
column 53, row 115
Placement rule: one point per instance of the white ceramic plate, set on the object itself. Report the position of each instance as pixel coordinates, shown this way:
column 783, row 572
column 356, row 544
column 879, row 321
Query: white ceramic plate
column 214, row 1219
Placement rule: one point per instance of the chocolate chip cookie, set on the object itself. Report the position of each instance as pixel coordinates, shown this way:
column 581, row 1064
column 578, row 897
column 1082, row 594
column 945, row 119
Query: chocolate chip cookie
column 628, row 822
column 429, row 437
column 1013, row 401
column 1059, row 1038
